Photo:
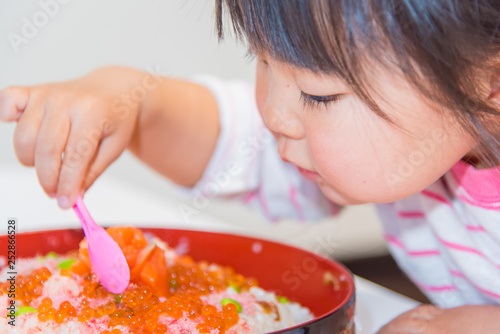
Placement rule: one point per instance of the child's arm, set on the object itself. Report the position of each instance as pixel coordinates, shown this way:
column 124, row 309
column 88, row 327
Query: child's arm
column 169, row 124
column 177, row 130
column 428, row 319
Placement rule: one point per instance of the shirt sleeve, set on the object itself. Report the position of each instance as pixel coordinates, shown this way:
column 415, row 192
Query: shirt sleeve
column 246, row 166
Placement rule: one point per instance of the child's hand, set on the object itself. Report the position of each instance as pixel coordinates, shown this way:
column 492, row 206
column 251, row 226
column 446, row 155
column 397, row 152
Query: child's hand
column 428, row 319
column 70, row 131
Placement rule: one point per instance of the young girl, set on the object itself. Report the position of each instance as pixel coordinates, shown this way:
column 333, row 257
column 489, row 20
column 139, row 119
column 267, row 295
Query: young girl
column 388, row 102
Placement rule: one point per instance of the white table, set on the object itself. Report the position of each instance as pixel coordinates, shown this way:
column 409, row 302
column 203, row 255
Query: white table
column 114, row 201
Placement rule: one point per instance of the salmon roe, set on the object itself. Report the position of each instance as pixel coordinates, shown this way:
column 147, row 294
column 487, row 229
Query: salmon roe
column 28, row 287
column 158, row 290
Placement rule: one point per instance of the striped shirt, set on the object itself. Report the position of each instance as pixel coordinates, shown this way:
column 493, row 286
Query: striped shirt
column 446, row 238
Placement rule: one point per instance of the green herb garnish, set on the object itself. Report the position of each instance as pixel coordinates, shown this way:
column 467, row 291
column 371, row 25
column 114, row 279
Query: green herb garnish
column 117, row 298
column 51, row 255
column 24, row 309
column 283, row 299
column 66, row 264
column 235, row 287
column 226, row 301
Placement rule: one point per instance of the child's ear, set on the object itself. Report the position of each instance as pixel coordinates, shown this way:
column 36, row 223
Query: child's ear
column 495, row 84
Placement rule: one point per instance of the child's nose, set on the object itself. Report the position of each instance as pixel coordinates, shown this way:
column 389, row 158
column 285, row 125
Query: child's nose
column 283, row 121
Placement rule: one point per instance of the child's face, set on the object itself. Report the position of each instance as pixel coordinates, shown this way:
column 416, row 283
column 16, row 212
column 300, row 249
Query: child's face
column 354, row 155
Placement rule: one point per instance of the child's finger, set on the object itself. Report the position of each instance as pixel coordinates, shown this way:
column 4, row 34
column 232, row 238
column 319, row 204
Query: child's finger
column 79, row 151
column 13, row 101
column 26, row 133
column 50, row 144
column 109, row 150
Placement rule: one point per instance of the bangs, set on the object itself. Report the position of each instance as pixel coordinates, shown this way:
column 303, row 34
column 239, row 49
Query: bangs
column 321, row 36
column 297, row 32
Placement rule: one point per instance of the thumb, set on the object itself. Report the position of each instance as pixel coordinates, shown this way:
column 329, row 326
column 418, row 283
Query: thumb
column 13, row 101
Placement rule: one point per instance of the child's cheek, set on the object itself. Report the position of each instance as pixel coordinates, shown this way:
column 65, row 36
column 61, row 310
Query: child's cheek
column 355, row 171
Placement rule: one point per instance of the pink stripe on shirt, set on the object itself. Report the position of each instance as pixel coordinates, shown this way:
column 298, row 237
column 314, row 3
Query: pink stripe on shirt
column 423, row 253
column 249, row 197
column 410, row 214
column 457, row 273
column 335, row 209
column 395, row 241
column 462, row 248
column 475, row 228
column 264, row 206
column 466, row 249
column 488, row 292
column 232, row 129
column 292, row 192
column 436, row 288
column 435, row 197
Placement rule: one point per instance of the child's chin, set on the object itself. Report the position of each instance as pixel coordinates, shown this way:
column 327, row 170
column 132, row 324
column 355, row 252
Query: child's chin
column 337, row 197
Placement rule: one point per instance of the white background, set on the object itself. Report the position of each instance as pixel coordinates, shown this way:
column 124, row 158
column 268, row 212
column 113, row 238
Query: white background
column 178, row 38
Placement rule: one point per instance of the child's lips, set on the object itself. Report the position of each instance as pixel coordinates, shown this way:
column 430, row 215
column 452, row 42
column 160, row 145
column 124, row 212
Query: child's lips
column 309, row 174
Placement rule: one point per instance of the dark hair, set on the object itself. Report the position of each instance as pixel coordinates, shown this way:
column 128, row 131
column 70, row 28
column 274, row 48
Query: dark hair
column 445, row 48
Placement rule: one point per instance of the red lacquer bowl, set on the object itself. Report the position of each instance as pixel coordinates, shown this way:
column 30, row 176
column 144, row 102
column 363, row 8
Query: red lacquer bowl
column 324, row 286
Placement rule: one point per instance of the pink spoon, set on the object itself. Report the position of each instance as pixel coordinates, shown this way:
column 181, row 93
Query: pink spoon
column 106, row 257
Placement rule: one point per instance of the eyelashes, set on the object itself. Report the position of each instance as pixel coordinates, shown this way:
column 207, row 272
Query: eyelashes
column 314, row 101
column 250, row 56
column 307, row 100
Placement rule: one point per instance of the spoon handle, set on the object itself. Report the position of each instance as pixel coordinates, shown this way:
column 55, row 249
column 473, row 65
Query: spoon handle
column 83, row 214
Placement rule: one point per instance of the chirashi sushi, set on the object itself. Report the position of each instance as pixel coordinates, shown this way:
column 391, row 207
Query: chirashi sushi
column 168, row 293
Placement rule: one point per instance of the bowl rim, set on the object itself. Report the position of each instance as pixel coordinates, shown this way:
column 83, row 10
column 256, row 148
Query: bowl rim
column 350, row 297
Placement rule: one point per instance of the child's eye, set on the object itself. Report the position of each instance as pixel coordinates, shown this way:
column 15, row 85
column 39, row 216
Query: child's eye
column 312, row 101
column 263, row 61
